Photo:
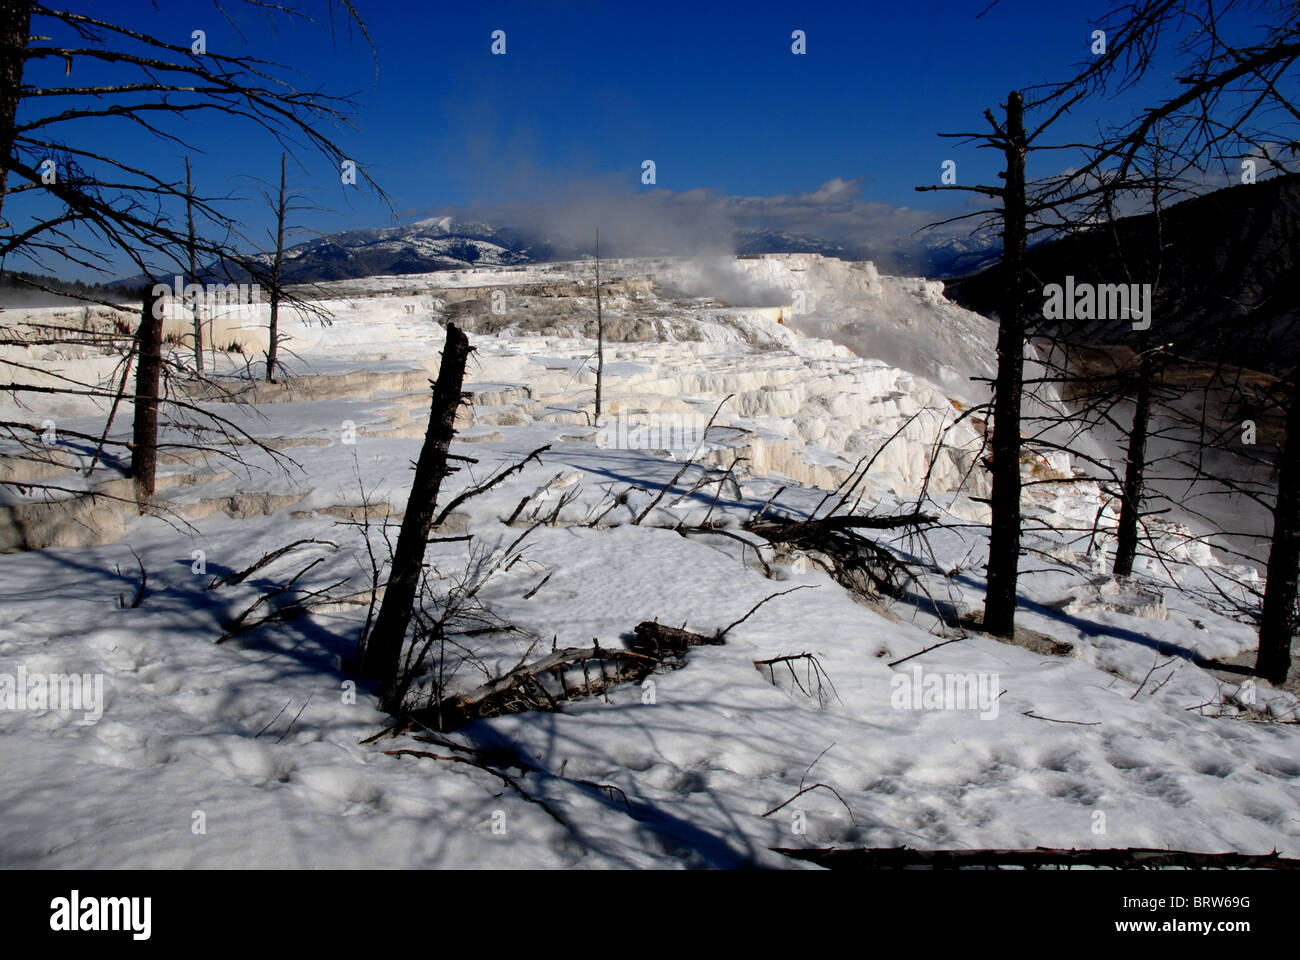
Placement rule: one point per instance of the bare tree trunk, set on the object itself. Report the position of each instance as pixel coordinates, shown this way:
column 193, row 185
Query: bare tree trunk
column 1004, row 535
column 1277, row 624
column 144, row 438
column 194, row 270
column 15, row 29
column 1130, row 511
column 382, row 655
column 1134, row 471
column 275, row 278
column 600, row 334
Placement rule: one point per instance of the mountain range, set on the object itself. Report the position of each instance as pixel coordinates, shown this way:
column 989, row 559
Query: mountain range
column 445, row 243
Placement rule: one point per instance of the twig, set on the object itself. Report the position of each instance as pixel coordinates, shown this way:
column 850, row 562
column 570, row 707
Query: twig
column 808, row 790
column 936, row 646
column 295, row 717
column 488, row 484
column 112, row 413
column 808, row 769
column 529, row 595
column 1080, row 723
column 609, row 789
column 685, row 466
column 231, row 579
column 814, row 666
column 770, row 500
column 1154, row 668
column 275, row 718
column 722, row 633
column 144, row 580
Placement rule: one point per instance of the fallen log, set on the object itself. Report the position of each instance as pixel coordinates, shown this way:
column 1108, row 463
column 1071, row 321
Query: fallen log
column 540, row 685
column 543, row 684
column 655, row 640
column 1124, row 858
column 842, row 522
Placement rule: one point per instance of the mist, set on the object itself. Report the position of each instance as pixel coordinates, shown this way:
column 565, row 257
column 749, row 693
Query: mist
column 703, row 225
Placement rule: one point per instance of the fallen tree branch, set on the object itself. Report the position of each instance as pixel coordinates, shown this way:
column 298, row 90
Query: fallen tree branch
column 715, row 530
column 1078, row 723
column 913, row 519
column 524, row 688
column 806, row 790
column 754, row 608
column 533, row 592
column 1126, row 858
column 231, row 579
column 655, row 640
column 238, row 626
column 933, row 646
column 521, row 690
column 855, row 562
column 815, row 669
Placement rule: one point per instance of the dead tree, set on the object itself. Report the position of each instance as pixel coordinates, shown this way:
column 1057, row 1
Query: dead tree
column 1126, row 542
column 194, row 268
column 600, row 334
column 15, row 32
column 1004, row 535
column 1235, row 97
column 1008, row 387
column 382, row 655
column 1278, row 620
column 1232, row 98
column 1158, row 183
column 148, row 381
column 277, row 263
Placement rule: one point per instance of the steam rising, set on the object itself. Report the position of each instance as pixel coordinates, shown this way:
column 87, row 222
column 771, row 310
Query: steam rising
column 701, row 225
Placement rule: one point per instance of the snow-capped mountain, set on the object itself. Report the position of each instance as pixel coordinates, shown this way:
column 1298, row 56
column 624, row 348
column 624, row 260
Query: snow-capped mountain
column 440, row 243
column 446, row 243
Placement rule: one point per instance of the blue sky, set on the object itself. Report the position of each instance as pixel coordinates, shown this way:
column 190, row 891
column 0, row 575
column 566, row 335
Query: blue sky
column 588, row 90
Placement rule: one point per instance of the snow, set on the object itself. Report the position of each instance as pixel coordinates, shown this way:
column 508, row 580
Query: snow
column 250, row 752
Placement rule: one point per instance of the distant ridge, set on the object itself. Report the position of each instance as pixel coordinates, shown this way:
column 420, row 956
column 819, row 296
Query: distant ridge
column 1229, row 287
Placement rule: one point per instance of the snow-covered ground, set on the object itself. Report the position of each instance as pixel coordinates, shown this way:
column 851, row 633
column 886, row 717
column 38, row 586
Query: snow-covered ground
column 250, row 752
